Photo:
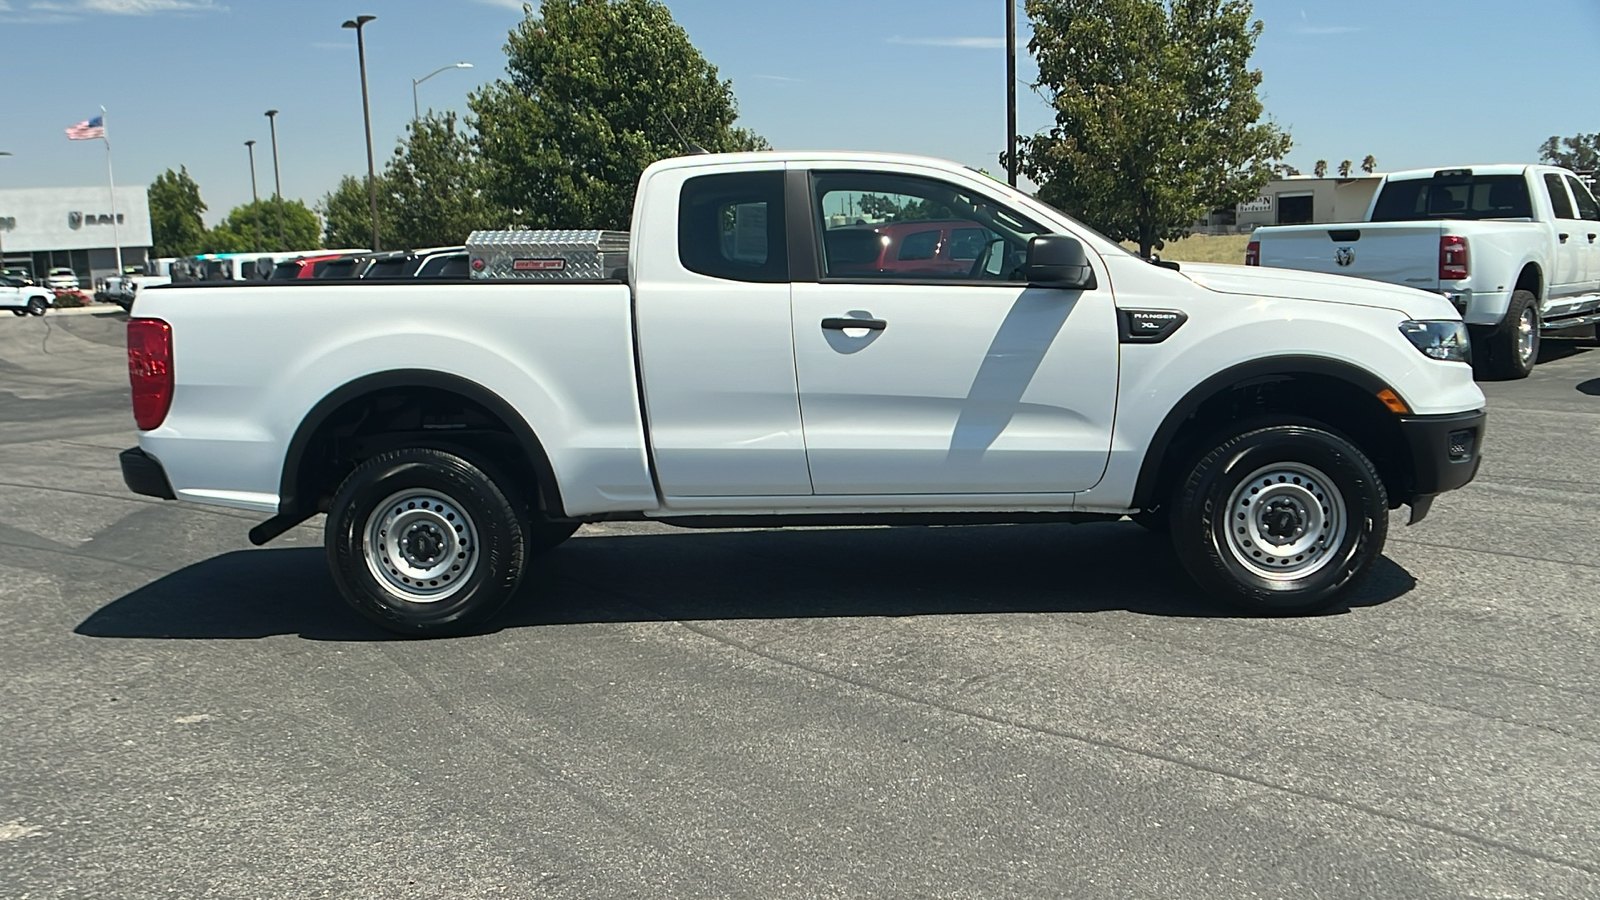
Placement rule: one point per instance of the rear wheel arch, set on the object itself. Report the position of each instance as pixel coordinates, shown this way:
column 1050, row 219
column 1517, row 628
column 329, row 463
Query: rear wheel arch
column 1328, row 392
column 312, row 469
column 1530, row 279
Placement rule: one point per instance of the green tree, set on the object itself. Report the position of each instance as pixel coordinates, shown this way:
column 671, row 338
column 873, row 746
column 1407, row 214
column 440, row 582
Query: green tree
column 1581, row 152
column 1370, row 164
column 1344, row 168
column 434, row 187
column 254, row 227
column 1157, row 118
column 176, row 228
column 597, row 91
column 1320, row 169
column 347, row 213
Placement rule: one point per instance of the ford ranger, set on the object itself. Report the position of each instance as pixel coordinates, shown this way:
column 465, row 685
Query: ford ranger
column 732, row 362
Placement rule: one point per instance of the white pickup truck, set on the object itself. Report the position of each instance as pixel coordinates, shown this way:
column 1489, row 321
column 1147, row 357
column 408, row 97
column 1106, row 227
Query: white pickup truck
column 1516, row 248
column 795, row 344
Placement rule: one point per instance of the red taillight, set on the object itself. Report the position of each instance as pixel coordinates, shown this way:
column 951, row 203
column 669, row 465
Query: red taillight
column 1453, row 263
column 150, row 371
column 1252, row 254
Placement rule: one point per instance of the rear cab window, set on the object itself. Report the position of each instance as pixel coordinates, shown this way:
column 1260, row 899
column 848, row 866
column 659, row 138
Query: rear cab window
column 732, row 226
column 1557, row 192
column 1454, row 196
column 1588, row 209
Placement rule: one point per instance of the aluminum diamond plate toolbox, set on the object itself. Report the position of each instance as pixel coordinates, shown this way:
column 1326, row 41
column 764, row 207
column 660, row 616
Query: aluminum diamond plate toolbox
column 548, row 255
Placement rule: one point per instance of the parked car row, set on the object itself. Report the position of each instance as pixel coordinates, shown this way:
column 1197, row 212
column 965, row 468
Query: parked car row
column 433, row 262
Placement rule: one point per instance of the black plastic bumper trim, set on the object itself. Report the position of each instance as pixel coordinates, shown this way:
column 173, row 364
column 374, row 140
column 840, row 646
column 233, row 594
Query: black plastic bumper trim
column 1428, row 438
column 144, row 475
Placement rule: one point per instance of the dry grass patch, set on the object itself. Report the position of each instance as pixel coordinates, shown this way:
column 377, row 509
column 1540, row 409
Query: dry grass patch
column 1203, row 248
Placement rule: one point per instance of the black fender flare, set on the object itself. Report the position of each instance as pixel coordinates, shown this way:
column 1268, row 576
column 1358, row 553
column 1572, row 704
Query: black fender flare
column 1255, row 370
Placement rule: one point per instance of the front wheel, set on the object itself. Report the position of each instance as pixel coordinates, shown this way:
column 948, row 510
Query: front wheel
column 36, row 306
column 1281, row 520
column 424, row 542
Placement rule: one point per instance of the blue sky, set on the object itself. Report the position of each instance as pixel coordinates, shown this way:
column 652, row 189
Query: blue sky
column 1416, row 83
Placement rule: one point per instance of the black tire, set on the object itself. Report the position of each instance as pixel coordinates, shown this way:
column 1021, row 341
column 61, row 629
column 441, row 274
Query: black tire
column 1221, row 506
column 458, row 533
column 37, row 306
column 19, row 312
column 1507, row 356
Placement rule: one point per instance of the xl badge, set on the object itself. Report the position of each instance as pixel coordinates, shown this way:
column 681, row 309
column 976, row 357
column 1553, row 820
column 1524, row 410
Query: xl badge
column 1344, row 256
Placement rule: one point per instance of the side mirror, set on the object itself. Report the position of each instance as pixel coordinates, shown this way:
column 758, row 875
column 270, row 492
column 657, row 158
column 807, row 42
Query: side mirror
column 1058, row 261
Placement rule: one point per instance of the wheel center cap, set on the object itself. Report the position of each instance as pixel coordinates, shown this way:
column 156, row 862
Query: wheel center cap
column 423, row 544
column 1282, row 520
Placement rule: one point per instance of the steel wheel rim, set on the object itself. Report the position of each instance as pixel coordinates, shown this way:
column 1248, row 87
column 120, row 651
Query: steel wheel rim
column 1285, row 521
column 1527, row 332
column 421, row 545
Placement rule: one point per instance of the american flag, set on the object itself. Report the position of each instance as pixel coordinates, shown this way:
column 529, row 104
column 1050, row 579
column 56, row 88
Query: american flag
column 90, row 130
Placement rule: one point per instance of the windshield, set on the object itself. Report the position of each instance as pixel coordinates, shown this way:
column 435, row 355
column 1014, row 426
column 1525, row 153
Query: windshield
column 1454, row 197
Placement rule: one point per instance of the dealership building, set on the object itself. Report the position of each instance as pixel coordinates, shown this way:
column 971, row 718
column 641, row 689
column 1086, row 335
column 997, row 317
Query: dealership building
column 1298, row 200
column 47, row 228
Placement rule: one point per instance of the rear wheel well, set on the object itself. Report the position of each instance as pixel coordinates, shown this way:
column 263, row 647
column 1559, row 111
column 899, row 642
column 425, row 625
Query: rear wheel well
column 1299, row 398
column 1530, row 280
column 362, row 421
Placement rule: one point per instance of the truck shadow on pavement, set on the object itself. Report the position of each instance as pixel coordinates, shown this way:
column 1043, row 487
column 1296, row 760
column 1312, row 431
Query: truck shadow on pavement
column 684, row 575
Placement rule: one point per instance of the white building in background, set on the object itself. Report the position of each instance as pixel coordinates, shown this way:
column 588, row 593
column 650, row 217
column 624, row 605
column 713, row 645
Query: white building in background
column 1298, row 200
column 46, row 228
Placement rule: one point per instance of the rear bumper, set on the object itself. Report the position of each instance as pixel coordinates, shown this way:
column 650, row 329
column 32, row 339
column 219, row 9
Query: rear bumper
column 143, row 474
column 1445, row 454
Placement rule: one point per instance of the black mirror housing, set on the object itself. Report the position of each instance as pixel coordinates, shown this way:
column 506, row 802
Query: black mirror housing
column 1058, row 261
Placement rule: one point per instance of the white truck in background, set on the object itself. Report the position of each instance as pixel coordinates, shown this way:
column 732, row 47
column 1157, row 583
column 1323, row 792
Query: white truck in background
column 761, row 358
column 1516, row 249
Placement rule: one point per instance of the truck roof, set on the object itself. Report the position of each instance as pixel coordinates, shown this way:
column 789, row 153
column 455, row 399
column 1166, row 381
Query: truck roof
column 1484, row 169
column 811, row 156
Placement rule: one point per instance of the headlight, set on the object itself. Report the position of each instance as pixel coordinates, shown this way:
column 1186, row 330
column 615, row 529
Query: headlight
column 1440, row 339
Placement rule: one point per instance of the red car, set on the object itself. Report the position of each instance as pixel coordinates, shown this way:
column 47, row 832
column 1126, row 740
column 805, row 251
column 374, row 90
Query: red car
column 931, row 249
column 302, row 267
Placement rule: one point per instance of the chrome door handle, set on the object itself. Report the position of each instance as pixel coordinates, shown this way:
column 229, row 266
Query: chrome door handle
column 840, row 323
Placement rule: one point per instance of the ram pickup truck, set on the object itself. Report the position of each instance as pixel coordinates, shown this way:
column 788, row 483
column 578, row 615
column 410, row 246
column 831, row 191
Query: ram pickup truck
column 740, row 375
column 1516, row 248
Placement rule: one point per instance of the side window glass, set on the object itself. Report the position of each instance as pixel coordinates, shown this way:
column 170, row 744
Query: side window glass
column 1587, row 208
column 1558, row 196
column 731, row 226
column 880, row 226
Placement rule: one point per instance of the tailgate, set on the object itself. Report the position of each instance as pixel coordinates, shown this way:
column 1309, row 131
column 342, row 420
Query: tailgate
column 1395, row 252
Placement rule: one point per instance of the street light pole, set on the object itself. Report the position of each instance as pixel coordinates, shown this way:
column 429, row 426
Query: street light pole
column 277, row 178
column 2, row 230
column 1011, row 92
column 255, row 198
column 366, row 114
column 416, row 109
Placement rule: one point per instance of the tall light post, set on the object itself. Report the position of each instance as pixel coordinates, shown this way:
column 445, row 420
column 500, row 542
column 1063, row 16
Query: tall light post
column 2, row 230
column 366, row 115
column 416, row 109
column 255, row 198
column 277, row 178
column 1011, row 92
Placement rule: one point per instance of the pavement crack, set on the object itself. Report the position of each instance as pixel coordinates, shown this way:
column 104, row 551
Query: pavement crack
column 1107, row 744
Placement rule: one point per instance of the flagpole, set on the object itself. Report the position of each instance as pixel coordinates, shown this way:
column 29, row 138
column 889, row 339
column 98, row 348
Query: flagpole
column 111, row 179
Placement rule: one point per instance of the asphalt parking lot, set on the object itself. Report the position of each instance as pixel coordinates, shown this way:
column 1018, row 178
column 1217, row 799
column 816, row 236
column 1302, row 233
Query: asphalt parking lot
column 1028, row 711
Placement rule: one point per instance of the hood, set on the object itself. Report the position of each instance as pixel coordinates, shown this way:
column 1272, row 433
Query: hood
column 1293, row 284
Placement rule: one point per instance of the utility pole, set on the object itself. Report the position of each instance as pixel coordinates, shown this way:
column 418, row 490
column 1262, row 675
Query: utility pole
column 277, row 179
column 366, row 115
column 255, row 198
column 2, row 230
column 1011, row 92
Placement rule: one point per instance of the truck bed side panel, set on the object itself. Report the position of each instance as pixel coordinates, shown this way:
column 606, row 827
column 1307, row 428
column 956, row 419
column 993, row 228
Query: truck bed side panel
column 251, row 362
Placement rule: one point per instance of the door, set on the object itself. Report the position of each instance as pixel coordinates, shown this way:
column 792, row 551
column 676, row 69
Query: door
column 971, row 383
column 716, row 353
column 1571, row 254
column 1589, row 213
column 10, row 294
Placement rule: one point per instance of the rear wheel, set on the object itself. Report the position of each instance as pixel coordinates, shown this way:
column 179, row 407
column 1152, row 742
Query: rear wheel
column 424, row 542
column 19, row 312
column 1281, row 520
column 1513, row 346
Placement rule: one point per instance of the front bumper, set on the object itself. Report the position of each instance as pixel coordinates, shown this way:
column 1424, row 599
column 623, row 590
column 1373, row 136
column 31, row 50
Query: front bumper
column 143, row 474
column 1445, row 454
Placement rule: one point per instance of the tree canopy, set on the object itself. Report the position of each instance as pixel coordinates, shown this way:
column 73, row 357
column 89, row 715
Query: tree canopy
column 254, row 226
column 1157, row 118
column 1581, row 152
column 597, row 91
column 176, row 227
column 347, row 214
column 434, row 189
